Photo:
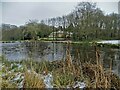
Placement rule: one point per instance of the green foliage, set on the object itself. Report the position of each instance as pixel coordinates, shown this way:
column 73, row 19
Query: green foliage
column 32, row 30
column 86, row 22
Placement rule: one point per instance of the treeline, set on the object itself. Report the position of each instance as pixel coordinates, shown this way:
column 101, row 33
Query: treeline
column 85, row 22
column 31, row 30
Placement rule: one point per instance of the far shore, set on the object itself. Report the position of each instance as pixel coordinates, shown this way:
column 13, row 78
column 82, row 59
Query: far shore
column 115, row 42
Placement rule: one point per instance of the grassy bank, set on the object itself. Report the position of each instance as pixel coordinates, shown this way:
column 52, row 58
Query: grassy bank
column 61, row 74
column 85, row 42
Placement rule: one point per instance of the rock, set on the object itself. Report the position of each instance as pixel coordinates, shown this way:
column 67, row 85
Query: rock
column 79, row 85
column 48, row 79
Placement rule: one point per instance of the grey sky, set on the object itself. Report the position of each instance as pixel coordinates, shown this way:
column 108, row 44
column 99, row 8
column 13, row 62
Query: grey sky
column 20, row 12
column 0, row 13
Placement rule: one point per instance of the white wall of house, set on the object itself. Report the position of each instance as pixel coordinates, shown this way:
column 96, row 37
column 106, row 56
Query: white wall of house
column 60, row 34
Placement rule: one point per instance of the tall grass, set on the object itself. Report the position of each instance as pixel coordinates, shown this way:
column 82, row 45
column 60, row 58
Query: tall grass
column 65, row 73
column 33, row 80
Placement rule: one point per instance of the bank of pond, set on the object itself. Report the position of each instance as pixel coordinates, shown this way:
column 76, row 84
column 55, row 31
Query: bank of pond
column 112, row 43
column 57, row 74
column 59, row 65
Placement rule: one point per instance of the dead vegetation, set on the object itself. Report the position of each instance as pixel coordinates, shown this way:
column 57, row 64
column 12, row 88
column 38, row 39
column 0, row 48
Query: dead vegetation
column 66, row 72
column 33, row 80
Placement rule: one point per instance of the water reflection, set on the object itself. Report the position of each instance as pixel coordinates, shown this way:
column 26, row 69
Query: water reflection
column 57, row 51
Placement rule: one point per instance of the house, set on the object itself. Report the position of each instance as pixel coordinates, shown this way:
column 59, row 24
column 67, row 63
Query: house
column 61, row 34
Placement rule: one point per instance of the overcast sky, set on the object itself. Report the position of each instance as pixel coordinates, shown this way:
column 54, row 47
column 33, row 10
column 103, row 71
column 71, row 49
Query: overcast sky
column 20, row 12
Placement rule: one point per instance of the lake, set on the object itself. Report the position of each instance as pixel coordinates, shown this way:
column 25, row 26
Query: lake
column 57, row 51
column 110, row 41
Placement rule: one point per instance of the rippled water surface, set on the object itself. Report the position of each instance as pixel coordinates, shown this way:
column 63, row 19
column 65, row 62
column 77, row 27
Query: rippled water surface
column 57, row 51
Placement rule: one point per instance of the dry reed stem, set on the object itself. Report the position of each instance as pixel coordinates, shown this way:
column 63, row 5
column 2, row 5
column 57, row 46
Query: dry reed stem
column 33, row 80
column 80, row 65
column 101, row 79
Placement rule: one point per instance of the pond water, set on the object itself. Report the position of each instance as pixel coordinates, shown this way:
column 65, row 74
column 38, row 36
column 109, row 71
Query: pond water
column 57, row 51
column 110, row 41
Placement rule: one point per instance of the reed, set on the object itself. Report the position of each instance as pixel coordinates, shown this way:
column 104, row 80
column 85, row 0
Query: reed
column 99, row 77
column 33, row 80
column 65, row 73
